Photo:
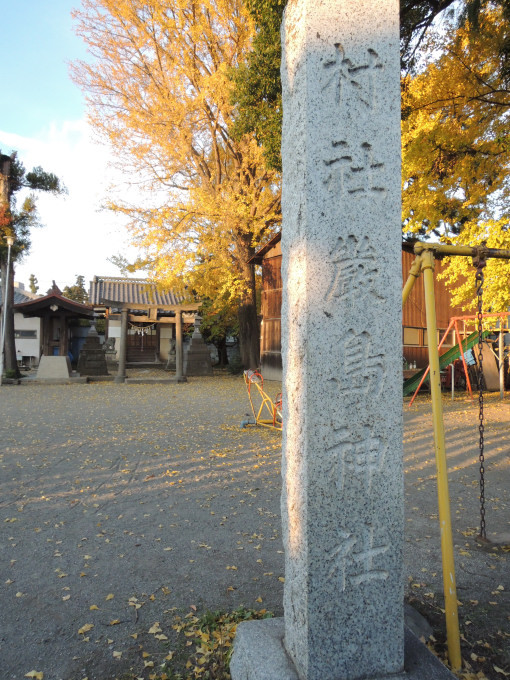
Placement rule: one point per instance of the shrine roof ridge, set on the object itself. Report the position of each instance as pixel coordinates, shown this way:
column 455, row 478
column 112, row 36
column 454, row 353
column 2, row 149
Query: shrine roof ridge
column 135, row 291
column 122, row 279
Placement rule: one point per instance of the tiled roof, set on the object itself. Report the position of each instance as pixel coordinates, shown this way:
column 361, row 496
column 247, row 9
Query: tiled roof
column 135, row 291
column 20, row 295
column 39, row 304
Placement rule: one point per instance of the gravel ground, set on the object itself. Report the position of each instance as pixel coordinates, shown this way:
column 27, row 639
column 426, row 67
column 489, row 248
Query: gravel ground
column 123, row 505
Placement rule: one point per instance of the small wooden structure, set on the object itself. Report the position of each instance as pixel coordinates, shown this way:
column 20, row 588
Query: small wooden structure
column 414, row 327
column 56, row 313
column 270, row 257
column 414, row 323
column 144, row 322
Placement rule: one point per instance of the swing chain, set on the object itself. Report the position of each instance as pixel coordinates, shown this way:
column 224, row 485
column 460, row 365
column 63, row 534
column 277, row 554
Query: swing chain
column 479, row 262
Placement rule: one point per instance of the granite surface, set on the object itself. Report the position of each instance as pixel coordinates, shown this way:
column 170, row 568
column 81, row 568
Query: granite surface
column 342, row 499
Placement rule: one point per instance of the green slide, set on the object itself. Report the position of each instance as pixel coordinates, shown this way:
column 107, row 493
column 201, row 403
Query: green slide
column 445, row 359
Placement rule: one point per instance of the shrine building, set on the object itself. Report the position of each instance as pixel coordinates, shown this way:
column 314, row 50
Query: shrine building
column 146, row 320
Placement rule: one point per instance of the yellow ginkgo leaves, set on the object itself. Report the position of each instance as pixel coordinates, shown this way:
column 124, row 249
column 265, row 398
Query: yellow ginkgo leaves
column 455, row 151
column 159, row 92
column 156, row 630
column 85, row 629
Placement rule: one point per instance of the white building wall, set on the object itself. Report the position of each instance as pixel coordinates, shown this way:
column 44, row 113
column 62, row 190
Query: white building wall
column 28, row 347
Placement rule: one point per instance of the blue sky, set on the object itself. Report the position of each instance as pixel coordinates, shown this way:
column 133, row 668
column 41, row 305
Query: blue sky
column 43, row 117
column 37, row 42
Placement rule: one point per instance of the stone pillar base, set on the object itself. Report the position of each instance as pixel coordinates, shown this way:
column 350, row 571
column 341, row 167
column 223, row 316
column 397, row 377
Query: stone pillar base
column 54, row 368
column 259, row 654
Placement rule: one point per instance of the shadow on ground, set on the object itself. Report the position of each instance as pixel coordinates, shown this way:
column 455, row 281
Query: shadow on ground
column 124, row 505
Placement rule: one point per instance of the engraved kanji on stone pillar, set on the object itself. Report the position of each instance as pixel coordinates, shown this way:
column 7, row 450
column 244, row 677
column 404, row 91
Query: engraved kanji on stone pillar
column 355, row 270
column 357, row 558
column 353, row 171
column 350, row 81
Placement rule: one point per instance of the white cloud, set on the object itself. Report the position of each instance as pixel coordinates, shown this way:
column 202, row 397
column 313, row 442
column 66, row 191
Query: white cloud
column 77, row 236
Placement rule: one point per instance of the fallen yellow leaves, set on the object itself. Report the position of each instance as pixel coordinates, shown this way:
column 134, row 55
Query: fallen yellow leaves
column 36, row 675
column 213, row 635
column 85, row 629
column 109, row 597
column 133, row 602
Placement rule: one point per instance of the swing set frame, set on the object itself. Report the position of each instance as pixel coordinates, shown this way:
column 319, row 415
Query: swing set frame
column 460, row 337
column 426, row 254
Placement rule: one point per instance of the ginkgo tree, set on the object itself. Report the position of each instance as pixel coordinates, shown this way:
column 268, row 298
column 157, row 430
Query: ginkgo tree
column 159, row 90
column 456, row 151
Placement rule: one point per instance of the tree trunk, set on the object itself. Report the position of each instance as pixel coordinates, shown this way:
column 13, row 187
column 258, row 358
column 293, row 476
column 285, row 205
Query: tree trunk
column 249, row 331
column 10, row 363
column 221, row 346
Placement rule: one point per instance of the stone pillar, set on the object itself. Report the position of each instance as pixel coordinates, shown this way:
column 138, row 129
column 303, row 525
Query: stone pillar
column 178, row 345
column 342, row 504
column 121, row 373
column 342, row 497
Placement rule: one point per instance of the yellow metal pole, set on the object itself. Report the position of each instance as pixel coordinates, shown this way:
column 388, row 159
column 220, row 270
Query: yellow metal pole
column 414, row 272
column 463, row 251
column 450, row 588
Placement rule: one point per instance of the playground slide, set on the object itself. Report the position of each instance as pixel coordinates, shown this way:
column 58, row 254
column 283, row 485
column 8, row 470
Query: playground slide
column 445, row 359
